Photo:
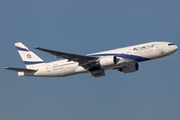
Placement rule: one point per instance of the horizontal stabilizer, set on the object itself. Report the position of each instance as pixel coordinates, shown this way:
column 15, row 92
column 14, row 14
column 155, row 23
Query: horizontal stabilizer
column 20, row 69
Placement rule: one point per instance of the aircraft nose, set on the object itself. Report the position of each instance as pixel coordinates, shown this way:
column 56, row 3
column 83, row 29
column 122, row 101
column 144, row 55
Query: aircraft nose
column 172, row 48
column 175, row 47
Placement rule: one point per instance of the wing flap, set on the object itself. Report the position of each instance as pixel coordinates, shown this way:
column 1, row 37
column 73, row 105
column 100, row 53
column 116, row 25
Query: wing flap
column 20, row 69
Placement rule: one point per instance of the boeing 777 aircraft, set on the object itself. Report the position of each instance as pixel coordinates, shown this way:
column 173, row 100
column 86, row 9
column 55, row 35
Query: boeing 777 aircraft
column 122, row 59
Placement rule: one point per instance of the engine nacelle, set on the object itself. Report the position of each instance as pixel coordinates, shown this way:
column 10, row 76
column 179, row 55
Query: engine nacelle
column 108, row 61
column 130, row 68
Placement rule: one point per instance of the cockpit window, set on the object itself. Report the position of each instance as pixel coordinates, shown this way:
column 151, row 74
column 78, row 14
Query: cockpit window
column 170, row 44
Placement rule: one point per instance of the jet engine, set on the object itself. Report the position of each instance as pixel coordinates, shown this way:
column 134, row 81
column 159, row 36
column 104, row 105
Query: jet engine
column 108, row 61
column 130, row 68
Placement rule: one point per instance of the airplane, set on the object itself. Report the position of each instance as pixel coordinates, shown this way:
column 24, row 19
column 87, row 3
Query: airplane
column 125, row 60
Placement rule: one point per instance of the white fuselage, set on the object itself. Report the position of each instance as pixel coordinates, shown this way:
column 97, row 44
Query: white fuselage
column 126, row 55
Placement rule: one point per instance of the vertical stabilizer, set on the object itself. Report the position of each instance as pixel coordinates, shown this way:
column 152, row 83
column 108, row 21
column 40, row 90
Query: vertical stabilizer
column 29, row 58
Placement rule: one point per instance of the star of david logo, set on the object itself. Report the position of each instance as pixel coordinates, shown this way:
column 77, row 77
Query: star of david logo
column 28, row 56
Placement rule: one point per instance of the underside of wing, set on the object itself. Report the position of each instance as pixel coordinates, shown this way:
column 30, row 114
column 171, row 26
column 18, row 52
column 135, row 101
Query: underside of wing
column 20, row 69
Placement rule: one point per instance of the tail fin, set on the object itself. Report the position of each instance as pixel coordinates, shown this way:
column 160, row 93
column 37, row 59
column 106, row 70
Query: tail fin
column 29, row 58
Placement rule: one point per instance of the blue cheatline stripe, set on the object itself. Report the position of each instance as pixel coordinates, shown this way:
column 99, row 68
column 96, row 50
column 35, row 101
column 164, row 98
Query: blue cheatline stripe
column 22, row 49
column 32, row 62
column 133, row 57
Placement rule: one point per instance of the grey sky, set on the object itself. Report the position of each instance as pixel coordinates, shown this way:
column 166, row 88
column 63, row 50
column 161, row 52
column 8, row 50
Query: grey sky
column 83, row 27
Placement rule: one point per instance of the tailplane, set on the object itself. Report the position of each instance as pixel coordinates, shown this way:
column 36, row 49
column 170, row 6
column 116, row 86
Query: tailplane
column 29, row 58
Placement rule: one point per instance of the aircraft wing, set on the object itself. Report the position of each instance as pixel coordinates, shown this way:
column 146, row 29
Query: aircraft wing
column 69, row 56
column 20, row 69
